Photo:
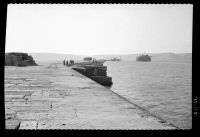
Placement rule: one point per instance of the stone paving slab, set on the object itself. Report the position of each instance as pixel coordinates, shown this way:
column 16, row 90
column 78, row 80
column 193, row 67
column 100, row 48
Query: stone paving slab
column 28, row 125
column 64, row 99
column 12, row 123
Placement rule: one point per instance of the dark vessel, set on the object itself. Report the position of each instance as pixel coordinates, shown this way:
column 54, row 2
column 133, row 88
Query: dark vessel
column 115, row 59
column 87, row 59
column 143, row 58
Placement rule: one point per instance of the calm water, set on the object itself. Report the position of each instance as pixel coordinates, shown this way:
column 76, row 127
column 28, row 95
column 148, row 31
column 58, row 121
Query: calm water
column 163, row 88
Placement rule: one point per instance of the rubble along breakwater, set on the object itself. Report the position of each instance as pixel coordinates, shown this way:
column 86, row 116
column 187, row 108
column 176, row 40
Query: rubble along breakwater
column 95, row 72
column 19, row 59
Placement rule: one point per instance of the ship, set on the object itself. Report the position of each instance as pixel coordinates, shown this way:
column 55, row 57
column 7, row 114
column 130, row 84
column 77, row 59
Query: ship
column 115, row 59
column 143, row 57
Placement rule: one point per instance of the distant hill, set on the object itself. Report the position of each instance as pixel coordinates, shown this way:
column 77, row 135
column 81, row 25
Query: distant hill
column 55, row 57
column 180, row 57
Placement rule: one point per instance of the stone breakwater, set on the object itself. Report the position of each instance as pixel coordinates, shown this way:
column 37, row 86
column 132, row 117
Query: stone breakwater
column 97, row 73
column 19, row 59
column 42, row 98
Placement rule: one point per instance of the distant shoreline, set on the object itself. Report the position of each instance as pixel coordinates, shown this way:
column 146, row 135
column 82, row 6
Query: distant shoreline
column 49, row 57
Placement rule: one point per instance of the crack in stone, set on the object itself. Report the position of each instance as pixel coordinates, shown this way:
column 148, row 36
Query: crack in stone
column 75, row 110
column 18, row 126
column 51, row 106
column 37, row 125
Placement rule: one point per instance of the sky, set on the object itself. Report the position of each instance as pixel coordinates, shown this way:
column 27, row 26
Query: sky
column 91, row 29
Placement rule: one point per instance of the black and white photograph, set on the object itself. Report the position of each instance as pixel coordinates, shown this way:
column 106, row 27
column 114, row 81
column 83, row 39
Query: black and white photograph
column 98, row 66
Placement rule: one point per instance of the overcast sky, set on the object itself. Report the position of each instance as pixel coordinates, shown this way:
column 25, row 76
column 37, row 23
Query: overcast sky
column 99, row 29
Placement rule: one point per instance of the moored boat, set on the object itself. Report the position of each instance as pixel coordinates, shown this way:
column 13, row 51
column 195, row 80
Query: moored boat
column 143, row 58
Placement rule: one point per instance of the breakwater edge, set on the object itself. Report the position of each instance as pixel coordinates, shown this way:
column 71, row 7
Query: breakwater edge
column 42, row 97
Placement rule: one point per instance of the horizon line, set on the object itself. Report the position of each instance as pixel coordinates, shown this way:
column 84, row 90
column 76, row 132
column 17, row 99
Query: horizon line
column 105, row 54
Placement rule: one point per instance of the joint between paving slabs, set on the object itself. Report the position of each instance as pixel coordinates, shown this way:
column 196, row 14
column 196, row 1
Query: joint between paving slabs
column 18, row 126
column 36, row 125
column 75, row 110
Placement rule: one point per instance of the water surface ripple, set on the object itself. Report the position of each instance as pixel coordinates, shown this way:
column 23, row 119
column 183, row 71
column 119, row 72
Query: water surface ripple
column 163, row 88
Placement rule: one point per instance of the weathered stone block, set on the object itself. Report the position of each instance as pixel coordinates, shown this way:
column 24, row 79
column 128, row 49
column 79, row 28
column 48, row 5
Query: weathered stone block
column 12, row 123
column 19, row 59
column 92, row 70
column 96, row 73
column 104, row 80
column 28, row 125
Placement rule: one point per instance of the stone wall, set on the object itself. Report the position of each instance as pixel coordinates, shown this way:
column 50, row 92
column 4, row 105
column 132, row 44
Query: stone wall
column 95, row 70
column 19, row 59
column 103, row 80
column 96, row 73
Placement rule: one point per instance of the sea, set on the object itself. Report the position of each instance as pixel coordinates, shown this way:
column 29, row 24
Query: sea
column 164, row 88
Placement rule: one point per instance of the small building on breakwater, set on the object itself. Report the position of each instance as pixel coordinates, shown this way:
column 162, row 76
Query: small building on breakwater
column 143, row 57
column 19, row 59
column 87, row 59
